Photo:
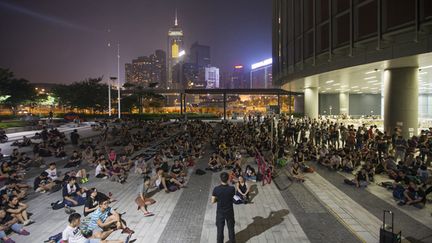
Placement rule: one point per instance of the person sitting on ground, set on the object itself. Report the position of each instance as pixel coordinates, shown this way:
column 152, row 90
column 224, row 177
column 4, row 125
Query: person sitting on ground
column 118, row 173
column 143, row 200
column 125, row 162
column 104, row 221
column 18, row 210
column 235, row 173
column 7, row 222
column 296, row 172
column 214, row 164
column 74, row 160
column 52, row 172
column 177, row 171
column 72, row 193
column 166, row 183
column 80, row 174
column 92, row 200
column 129, row 149
column 88, row 155
column 72, row 232
column 242, row 191
column 60, row 152
column 42, row 183
column 141, row 167
column 101, row 171
column 38, row 161
column 414, row 196
column 13, row 190
column 112, row 156
column 362, row 178
column 250, row 173
column 190, row 162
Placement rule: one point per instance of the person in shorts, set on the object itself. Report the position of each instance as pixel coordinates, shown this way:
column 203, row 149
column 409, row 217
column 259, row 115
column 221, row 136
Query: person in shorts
column 72, row 233
column 143, row 200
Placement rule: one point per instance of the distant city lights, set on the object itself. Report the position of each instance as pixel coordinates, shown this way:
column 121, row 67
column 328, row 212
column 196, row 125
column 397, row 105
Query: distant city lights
column 262, row 63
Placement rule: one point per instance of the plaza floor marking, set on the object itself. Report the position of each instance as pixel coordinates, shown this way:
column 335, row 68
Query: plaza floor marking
column 356, row 218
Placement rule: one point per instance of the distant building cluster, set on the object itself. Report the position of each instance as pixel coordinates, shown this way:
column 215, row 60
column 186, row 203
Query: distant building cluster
column 178, row 68
column 146, row 70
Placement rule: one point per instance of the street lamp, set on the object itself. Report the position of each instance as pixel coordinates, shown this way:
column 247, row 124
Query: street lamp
column 113, row 79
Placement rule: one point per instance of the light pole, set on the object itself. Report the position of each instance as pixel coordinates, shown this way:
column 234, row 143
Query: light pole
column 112, row 79
column 118, row 80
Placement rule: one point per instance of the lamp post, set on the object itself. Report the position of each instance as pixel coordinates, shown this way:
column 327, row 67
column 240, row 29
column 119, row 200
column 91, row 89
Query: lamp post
column 112, row 79
column 118, row 80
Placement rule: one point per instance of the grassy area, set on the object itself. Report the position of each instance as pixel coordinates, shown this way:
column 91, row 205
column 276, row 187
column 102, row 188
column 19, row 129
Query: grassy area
column 13, row 123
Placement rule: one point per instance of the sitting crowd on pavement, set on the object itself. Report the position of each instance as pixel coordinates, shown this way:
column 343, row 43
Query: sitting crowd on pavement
column 122, row 149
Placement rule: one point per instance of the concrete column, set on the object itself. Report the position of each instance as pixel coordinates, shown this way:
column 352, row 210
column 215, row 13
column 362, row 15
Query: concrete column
column 311, row 102
column 401, row 100
column 344, row 103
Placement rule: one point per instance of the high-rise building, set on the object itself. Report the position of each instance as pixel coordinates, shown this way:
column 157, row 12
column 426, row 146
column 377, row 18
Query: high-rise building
column 146, row 70
column 261, row 75
column 175, row 50
column 212, row 77
column 371, row 57
column 238, row 78
column 200, row 55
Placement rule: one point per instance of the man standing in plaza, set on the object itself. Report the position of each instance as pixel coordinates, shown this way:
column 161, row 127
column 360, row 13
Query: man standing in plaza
column 223, row 195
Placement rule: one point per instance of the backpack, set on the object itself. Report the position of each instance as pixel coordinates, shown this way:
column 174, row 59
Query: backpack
column 57, row 205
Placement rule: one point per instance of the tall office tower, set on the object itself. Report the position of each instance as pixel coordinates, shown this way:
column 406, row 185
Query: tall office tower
column 175, row 51
column 212, row 77
column 238, row 78
column 145, row 70
column 200, row 54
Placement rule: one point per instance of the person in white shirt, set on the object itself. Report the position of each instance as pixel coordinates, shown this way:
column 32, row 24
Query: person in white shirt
column 52, row 172
column 72, row 233
column 101, row 171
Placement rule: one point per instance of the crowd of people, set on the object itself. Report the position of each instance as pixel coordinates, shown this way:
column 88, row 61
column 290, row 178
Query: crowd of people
column 163, row 153
column 160, row 153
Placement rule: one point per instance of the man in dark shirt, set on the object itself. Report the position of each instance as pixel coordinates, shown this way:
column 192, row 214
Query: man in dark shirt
column 74, row 136
column 223, row 195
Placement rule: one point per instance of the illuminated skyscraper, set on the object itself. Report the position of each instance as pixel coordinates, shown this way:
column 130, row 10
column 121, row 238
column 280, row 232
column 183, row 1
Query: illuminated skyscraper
column 175, row 50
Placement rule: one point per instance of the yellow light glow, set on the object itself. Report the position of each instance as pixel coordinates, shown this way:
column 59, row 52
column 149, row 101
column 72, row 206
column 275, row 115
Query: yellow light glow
column 175, row 50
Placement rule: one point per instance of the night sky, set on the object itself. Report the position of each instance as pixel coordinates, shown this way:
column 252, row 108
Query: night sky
column 59, row 41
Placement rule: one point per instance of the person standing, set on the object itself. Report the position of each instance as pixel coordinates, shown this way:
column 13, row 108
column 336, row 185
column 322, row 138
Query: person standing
column 74, row 136
column 223, row 195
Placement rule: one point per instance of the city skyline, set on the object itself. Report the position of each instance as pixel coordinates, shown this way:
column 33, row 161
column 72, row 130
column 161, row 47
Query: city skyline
column 68, row 47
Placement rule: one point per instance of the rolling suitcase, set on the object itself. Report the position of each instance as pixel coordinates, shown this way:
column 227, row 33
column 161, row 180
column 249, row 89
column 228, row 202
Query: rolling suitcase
column 387, row 234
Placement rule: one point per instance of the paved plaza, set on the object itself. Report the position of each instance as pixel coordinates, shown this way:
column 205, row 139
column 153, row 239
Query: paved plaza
column 322, row 209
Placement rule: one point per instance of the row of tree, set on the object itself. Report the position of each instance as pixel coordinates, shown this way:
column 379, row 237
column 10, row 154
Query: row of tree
column 90, row 94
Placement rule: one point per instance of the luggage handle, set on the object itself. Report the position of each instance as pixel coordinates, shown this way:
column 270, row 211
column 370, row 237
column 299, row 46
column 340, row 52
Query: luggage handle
column 392, row 219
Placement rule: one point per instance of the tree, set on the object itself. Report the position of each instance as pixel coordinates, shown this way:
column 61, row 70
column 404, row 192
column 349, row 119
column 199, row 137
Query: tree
column 15, row 92
column 144, row 97
column 87, row 94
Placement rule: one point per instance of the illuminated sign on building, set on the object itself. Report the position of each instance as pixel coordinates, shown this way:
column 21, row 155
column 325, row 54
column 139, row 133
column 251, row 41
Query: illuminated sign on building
column 262, row 63
column 238, row 66
column 175, row 50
